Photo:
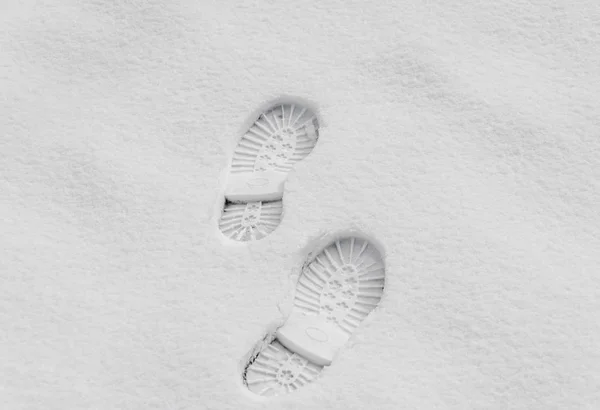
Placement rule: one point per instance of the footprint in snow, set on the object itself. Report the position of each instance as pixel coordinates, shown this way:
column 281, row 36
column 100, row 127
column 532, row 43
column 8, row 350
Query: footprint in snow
column 266, row 153
column 334, row 294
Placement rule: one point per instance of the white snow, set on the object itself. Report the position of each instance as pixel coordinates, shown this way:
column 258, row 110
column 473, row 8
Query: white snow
column 463, row 136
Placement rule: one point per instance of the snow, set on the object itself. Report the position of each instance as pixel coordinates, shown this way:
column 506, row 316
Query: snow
column 461, row 136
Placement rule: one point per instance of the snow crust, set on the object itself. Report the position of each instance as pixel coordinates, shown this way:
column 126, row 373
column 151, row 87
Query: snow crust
column 462, row 136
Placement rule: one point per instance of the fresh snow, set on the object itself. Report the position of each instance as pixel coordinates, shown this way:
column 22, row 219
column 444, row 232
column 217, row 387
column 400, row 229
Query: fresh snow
column 462, row 136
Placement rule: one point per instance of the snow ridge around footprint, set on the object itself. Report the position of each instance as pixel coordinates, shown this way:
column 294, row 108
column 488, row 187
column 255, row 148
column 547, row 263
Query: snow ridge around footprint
column 280, row 137
column 335, row 292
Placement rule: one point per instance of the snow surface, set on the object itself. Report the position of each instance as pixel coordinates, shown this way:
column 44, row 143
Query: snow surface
column 462, row 135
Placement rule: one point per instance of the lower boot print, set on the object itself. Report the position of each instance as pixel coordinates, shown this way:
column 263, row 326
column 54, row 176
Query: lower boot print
column 334, row 294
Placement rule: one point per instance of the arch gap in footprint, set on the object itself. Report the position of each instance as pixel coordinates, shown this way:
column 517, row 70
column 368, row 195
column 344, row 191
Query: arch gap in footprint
column 334, row 294
column 280, row 137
